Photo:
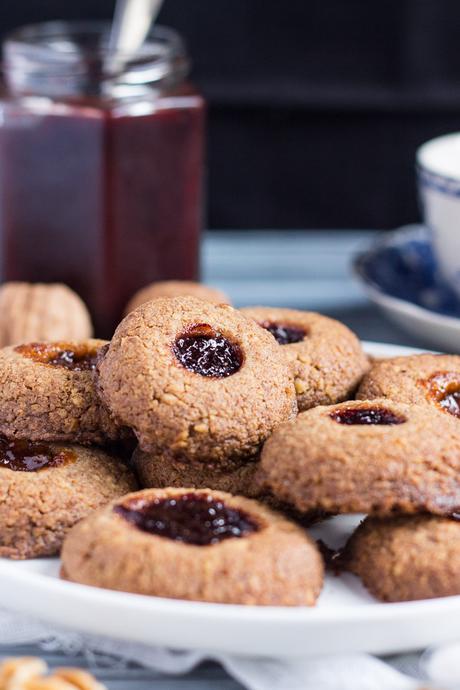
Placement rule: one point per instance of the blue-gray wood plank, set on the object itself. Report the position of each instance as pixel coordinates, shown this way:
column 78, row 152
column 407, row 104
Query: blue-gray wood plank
column 299, row 269
column 303, row 269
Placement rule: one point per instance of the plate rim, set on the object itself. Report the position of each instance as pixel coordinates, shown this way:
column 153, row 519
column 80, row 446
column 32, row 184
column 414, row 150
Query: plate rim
column 284, row 614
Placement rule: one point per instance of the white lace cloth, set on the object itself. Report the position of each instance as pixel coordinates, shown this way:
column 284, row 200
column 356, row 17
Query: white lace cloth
column 437, row 668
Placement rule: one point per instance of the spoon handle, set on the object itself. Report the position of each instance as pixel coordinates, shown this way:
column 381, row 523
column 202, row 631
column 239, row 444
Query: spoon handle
column 131, row 24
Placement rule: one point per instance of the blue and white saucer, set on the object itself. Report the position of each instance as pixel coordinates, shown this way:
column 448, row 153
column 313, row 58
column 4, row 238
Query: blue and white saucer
column 400, row 274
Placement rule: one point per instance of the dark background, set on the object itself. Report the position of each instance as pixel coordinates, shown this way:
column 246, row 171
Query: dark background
column 316, row 106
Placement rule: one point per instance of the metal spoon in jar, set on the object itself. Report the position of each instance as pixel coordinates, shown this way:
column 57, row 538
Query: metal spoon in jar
column 131, row 24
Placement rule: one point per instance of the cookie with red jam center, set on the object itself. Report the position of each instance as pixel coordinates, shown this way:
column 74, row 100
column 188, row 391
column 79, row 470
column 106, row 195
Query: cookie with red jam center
column 198, row 379
column 326, row 359
column 50, row 487
column 200, row 545
column 373, row 456
column 47, row 392
column 422, row 379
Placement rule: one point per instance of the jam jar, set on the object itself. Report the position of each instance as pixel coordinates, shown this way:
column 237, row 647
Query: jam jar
column 101, row 163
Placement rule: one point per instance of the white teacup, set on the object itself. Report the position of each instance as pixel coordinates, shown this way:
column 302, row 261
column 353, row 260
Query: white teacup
column 438, row 172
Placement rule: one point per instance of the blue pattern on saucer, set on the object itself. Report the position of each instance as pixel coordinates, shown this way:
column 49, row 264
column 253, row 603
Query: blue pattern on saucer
column 403, row 265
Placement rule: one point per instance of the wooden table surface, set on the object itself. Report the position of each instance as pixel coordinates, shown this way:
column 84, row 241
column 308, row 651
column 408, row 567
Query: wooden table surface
column 300, row 269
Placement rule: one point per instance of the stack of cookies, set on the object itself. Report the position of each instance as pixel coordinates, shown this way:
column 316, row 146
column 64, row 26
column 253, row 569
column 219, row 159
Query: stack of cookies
column 203, row 386
column 245, row 426
column 54, row 470
column 394, row 453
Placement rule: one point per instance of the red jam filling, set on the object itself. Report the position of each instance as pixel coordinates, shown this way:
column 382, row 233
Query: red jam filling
column 77, row 357
column 444, row 390
column 285, row 335
column 208, row 353
column 366, row 415
column 27, row 456
column 191, row 518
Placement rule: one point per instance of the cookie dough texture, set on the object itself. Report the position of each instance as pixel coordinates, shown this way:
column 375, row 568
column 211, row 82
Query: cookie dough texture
column 177, row 288
column 406, row 558
column 327, row 365
column 279, row 565
column 38, row 311
column 404, row 378
column 51, row 403
column 162, row 469
column 38, row 508
column 168, row 406
column 316, row 463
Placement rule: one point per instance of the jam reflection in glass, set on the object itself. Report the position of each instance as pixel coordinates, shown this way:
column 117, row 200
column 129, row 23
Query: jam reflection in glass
column 73, row 356
column 197, row 519
column 100, row 182
column 366, row 415
column 28, row 456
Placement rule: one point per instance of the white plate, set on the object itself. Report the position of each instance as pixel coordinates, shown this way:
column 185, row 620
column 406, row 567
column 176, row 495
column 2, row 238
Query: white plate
column 442, row 332
column 346, row 618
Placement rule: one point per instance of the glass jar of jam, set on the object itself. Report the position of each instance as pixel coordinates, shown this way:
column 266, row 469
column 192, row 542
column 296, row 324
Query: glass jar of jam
column 101, row 162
